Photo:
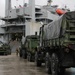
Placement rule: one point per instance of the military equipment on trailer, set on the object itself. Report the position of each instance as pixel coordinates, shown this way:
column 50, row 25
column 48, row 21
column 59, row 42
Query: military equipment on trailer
column 57, row 44
column 4, row 49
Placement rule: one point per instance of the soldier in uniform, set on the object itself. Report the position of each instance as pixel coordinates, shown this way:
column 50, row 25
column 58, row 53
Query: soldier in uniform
column 17, row 51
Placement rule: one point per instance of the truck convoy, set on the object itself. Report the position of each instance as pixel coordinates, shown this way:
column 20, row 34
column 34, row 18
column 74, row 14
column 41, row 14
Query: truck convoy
column 57, row 44
column 28, row 49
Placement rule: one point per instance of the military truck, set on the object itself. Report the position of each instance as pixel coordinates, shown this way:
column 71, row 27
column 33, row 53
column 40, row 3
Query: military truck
column 23, row 51
column 29, row 47
column 4, row 49
column 57, row 44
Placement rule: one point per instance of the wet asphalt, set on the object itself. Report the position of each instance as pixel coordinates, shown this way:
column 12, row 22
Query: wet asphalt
column 14, row 65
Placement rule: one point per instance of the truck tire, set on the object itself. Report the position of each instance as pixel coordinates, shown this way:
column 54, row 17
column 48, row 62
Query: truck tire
column 29, row 57
column 62, row 71
column 20, row 53
column 48, row 63
column 24, row 54
column 5, row 53
column 37, row 62
column 54, row 64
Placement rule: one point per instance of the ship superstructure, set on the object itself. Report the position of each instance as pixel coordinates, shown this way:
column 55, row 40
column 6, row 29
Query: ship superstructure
column 26, row 20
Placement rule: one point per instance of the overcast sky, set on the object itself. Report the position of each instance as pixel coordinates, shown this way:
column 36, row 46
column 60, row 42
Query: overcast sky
column 69, row 3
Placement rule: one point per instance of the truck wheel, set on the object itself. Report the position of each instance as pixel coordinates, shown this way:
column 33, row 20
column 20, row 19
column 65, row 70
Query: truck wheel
column 48, row 63
column 37, row 62
column 5, row 53
column 54, row 64
column 62, row 71
column 24, row 54
column 29, row 57
column 20, row 53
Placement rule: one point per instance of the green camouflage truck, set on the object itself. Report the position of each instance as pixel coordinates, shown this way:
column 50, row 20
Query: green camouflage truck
column 57, row 44
column 29, row 47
